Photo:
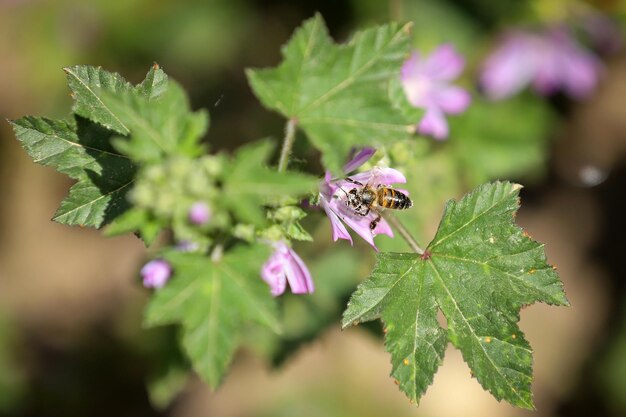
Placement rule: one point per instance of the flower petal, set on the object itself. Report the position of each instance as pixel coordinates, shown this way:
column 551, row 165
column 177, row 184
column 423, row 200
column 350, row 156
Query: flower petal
column 433, row 124
column 444, row 63
column 156, row 273
column 339, row 230
column 511, row 66
column 362, row 227
column 581, row 71
column 327, row 187
column 298, row 274
column 452, row 99
column 411, row 68
column 376, row 176
column 273, row 273
column 359, row 159
column 383, row 228
column 199, row 213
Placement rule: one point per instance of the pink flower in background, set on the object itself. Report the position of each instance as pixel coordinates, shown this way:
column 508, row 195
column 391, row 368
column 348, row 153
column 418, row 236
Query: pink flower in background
column 156, row 273
column 285, row 266
column 333, row 199
column 426, row 82
column 199, row 213
column 550, row 61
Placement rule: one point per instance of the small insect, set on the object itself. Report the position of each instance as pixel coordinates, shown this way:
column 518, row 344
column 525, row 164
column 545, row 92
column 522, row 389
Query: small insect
column 366, row 198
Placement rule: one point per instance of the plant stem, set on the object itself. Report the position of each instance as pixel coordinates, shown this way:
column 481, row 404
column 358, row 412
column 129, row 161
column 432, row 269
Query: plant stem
column 290, row 137
column 406, row 235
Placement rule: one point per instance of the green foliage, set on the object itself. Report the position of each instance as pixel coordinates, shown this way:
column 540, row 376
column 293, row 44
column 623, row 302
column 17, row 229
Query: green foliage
column 136, row 154
column 501, row 140
column 80, row 149
column 159, row 128
column 166, row 387
column 214, row 300
column 83, row 149
column 338, row 93
column 479, row 270
column 247, row 181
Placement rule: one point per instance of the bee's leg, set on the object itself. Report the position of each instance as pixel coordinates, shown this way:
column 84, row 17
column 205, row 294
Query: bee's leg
column 353, row 181
column 374, row 222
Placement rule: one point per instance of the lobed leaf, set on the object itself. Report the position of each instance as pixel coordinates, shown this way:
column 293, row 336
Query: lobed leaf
column 338, row 91
column 89, row 83
column 160, row 127
column 214, row 302
column 479, row 270
column 81, row 150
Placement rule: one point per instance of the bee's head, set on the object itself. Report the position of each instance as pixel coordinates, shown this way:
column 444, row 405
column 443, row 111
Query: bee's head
column 353, row 198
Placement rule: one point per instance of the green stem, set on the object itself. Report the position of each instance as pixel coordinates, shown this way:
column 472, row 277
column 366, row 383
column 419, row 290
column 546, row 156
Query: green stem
column 290, row 137
column 406, row 235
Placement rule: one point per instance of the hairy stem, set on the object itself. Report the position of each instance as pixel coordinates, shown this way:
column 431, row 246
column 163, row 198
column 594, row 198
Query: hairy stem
column 290, row 137
column 406, row 235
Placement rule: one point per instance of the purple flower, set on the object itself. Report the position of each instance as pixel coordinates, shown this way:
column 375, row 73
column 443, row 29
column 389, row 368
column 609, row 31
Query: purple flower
column 426, row 83
column 550, row 61
column 333, row 200
column 199, row 213
column 156, row 273
column 359, row 159
column 286, row 266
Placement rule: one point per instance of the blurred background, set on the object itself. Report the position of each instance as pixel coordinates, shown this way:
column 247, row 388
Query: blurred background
column 71, row 341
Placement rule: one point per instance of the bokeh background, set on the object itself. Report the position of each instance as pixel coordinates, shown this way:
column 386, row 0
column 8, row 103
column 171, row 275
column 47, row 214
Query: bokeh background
column 71, row 341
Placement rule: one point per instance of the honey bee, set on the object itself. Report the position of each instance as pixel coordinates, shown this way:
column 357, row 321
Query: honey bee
column 366, row 198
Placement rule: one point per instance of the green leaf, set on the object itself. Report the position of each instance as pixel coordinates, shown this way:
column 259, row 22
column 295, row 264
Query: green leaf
column 338, row 93
column 214, row 302
column 492, row 140
column 136, row 220
column 479, row 270
column 163, row 389
column 249, row 184
column 154, row 84
column 160, row 127
column 81, row 150
column 89, row 83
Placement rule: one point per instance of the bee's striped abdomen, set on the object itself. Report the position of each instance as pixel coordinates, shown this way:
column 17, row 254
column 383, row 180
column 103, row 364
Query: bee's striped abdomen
column 392, row 199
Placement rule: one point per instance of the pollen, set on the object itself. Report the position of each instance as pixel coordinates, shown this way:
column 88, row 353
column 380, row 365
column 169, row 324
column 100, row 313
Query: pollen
column 532, row 271
column 492, row 240
column 406, row 362
column 513, row 336
column 487, row 339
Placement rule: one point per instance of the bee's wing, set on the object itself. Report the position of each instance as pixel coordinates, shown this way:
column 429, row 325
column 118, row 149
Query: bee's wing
column 379, row 176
